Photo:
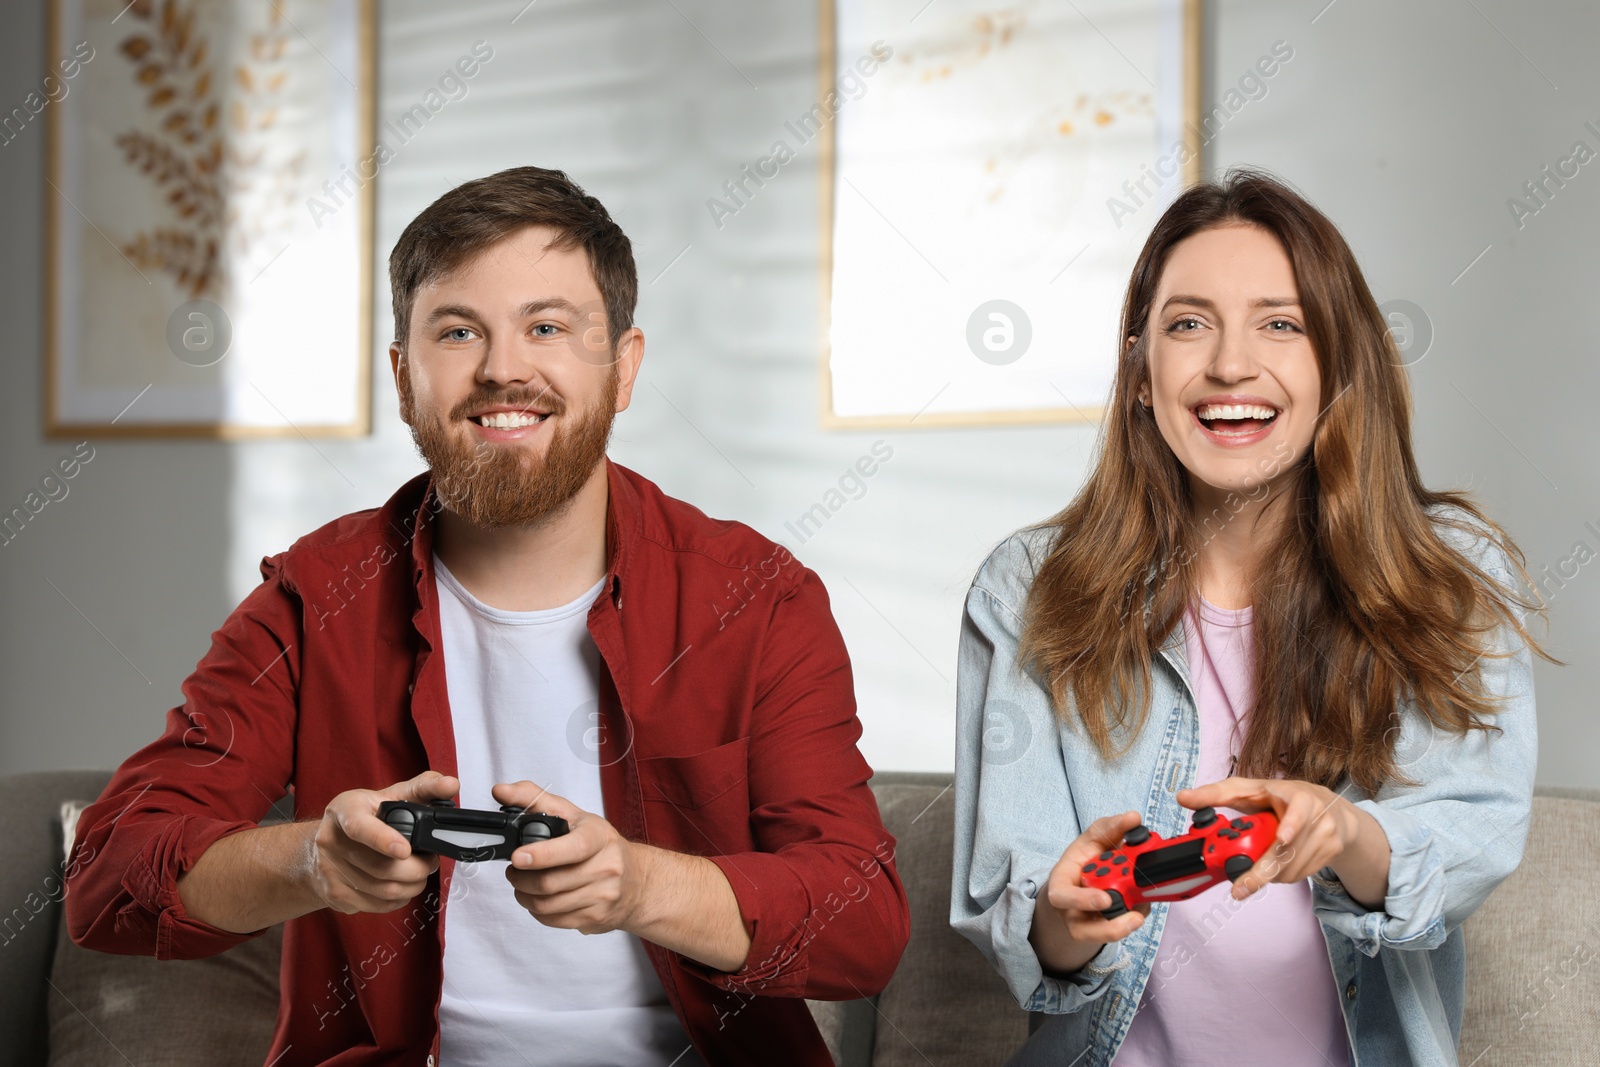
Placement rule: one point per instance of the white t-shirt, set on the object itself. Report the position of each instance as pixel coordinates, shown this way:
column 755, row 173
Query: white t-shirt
column 524, row 686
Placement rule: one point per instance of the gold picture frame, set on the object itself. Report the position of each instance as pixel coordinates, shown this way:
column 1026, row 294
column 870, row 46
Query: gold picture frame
column 202, row 145
column 1191, row 13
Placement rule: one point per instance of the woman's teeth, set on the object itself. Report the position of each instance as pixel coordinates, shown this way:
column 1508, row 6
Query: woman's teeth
column 1208, row 412
column 1235, row 420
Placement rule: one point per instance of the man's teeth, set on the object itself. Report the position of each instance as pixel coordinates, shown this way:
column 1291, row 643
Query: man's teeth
column 1234, row 411
column 509, row 420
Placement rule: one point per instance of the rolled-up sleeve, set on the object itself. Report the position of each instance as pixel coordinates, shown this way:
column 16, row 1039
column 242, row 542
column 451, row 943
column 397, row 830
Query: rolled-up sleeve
column 821, row 900
column 1460, row 829
column 1014, row 810
column 223, row 759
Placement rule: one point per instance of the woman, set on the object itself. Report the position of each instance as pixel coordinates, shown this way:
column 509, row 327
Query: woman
column 1254, row 604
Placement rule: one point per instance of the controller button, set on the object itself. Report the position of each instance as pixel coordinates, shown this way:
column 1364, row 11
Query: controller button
column 1087, row 867
column 1243, row 825
column 442, row 803
column 511, row 809
column 1204, row 817
column 1211, row 848
column 1137, row 836
column 1236, row 866
column 1101, row 872
column 1118, row 906
column 1105, row 855
column 1119, row 859
column 1124, row 872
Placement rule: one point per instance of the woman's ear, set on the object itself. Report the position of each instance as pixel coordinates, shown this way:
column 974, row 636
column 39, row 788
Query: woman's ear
column 1144, row 386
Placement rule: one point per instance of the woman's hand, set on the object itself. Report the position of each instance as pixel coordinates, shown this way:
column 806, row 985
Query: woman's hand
column 1317, row 828
column 1068, row 930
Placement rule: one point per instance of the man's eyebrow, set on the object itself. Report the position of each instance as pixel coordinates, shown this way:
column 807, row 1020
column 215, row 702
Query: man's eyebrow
column 1258, row 302
column 532, row 307
column 553, row 303
column 447, row 311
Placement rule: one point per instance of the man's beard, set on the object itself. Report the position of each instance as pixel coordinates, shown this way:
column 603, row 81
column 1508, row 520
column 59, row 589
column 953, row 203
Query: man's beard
column 503, row 484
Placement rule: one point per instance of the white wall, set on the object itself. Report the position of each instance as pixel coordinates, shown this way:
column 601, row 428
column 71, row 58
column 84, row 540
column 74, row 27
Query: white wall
column 1409, row 127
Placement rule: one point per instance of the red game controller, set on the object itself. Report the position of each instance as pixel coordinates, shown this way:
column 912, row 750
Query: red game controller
column 1148, row 869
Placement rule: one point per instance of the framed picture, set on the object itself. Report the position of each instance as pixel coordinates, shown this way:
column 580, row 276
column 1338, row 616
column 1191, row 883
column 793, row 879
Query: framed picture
column 209, row 218
column 989, row 175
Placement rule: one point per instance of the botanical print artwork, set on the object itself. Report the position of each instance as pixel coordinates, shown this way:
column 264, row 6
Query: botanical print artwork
column 181, row 175
column 184, row 158
column 974, row 268
column 187, row 158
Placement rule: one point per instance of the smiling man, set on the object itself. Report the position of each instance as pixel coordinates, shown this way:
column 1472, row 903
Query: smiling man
column 526, row 623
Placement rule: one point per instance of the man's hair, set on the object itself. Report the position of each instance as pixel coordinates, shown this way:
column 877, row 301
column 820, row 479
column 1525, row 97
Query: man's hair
column 476, row 214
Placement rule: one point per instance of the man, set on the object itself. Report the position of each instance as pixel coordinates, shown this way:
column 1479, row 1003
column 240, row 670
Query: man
column 528, row 624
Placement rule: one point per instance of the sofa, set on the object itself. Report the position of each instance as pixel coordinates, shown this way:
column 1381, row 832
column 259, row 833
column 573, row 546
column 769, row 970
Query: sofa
column 1533, row 995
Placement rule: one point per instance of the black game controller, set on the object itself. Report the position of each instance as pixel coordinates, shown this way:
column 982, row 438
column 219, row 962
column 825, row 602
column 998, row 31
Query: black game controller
column 467, row 835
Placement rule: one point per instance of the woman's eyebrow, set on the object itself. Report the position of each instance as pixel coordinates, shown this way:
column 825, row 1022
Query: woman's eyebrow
column 1258, row 302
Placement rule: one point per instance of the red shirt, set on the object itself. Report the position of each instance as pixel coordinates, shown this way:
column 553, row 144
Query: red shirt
column 728, row 730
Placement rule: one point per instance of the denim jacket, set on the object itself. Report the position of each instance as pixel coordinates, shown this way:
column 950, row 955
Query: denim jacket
column 1026, row 784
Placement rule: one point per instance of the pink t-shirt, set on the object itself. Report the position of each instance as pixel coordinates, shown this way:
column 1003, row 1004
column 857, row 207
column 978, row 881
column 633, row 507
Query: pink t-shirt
column 1235, row 983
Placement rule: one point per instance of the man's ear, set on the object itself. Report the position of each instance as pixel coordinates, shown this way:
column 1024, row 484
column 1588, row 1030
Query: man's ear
column 630, row 353
column 399, row 366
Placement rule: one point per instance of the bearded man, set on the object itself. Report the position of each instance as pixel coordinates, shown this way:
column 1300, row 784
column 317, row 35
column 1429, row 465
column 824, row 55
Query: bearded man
column 524, row 624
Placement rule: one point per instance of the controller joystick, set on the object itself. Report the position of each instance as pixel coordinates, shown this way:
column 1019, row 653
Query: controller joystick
column 1203, row 818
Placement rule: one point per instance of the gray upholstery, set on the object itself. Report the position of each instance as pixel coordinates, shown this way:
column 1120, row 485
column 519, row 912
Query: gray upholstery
column 1532, row 992
column 1533, row 949
column 101, row 1004
column 30, row 878
column 945, row 1004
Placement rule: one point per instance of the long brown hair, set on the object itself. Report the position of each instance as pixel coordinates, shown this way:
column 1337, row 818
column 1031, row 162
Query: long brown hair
column 1359, row 600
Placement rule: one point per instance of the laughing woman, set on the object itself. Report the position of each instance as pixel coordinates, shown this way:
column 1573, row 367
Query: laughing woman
column 1254, row 604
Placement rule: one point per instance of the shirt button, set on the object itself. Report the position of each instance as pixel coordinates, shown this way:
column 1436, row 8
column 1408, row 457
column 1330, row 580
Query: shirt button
column 411, row 688
column 1350, row 991
column 430, row 1061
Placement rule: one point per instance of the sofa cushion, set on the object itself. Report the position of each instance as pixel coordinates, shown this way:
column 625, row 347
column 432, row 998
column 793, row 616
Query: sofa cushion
column 213, row 1012
column 32, row 885
column 1533, row 948
column 945, row 1004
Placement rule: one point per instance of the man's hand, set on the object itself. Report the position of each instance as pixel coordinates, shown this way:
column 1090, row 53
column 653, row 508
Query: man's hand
column 358, row 863
column 594, row 880
column 591, row 879
column 1317, row 828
